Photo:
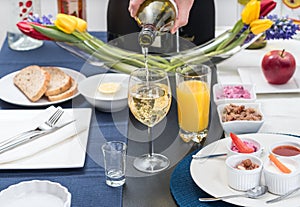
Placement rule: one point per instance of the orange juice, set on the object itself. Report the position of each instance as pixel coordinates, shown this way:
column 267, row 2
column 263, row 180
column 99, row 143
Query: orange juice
column 193, row 101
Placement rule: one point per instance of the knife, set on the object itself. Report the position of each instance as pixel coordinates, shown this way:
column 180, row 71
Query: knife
column 196, row 157
column 27, row 138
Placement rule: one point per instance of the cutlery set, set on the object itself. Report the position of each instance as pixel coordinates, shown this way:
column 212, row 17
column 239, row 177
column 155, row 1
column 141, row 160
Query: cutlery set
column 47, row 127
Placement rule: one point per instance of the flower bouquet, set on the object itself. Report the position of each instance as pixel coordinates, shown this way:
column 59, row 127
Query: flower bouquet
column 71, row 33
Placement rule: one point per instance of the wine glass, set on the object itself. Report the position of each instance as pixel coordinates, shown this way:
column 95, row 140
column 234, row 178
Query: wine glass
column 149, row 99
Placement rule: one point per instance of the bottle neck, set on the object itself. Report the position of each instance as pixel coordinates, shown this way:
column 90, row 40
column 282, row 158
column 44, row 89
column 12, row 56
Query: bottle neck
column 147, row 36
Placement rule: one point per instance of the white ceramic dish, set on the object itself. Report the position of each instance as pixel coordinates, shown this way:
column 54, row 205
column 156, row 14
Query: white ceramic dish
column 285, row 143
column 213, row 179
column 11, row 94
column 254, row 75
column 218, row 91
column 281, row 183
column 255, row 142
column 243, row 179
column 35, row 193
column 70, row 153
column 241, row 127
column 101, row 101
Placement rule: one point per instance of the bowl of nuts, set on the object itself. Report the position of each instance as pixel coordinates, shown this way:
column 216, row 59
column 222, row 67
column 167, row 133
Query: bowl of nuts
column 243, row 171
column 241, row 118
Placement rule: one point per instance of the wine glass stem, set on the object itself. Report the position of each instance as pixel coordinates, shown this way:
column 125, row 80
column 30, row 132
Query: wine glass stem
column 150, row 141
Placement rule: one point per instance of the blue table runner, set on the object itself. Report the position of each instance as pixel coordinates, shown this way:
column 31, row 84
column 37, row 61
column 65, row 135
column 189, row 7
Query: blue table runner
column 87, row 184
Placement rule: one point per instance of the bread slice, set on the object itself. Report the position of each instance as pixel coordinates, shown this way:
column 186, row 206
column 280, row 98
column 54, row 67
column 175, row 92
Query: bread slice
column 70, row 92
column 59, row 82
column 33, row 81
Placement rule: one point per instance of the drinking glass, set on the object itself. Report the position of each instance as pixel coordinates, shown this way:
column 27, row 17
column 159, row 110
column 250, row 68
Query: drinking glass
column 193, row 102
column 149, row 99
column 114, row 153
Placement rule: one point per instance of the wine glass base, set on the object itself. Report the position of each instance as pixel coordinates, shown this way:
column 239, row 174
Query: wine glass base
column 151, row 163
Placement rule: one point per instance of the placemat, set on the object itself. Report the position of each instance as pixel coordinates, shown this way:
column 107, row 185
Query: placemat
column 185, row 191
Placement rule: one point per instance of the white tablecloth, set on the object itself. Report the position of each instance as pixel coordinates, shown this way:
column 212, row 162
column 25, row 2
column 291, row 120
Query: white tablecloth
column 281, row 110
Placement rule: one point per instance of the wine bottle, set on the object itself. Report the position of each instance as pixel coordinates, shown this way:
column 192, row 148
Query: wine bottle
column 155, row 17
column 73, row 7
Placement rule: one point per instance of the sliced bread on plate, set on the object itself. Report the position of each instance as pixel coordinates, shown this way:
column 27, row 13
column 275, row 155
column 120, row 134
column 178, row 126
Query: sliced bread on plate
column 68, row 93
column 33, row 81
column 59, row 82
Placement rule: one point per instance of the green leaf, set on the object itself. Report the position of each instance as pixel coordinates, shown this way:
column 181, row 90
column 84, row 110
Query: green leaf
column 55, row 35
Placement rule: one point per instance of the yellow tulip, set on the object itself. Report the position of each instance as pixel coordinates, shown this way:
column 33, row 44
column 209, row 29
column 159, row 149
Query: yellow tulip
column 251, row 11
column 260, row 25
column 65, row 23
column 81, row 24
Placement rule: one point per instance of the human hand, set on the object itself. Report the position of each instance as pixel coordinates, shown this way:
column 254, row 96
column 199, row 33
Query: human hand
column 134, row 6
column 183, row 6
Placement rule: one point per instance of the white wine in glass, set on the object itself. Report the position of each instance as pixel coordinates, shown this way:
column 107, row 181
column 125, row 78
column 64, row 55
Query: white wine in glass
column 149, row 100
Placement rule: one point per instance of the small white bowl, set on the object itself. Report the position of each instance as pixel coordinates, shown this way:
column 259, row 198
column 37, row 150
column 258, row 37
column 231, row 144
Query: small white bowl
column 243, row 180
column 101, row 101
column 280, row 183
column 241, row 126
column 285, row 143
column 221, row 98
column 256, row 144
column 35, row 193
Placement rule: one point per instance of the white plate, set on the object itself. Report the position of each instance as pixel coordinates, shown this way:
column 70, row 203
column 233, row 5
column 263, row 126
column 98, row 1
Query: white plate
column 11, row 94
column 70, row 153
column 255, row 76
column 210, row 174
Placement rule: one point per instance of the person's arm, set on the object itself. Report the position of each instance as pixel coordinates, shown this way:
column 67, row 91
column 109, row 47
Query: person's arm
column 183, row 6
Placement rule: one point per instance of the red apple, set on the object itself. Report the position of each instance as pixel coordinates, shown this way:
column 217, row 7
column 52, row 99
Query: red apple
column 278, row 66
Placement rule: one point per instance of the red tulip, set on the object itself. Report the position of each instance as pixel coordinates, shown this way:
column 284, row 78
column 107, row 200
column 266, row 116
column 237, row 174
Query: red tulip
column 266, row 6
column 28, row 30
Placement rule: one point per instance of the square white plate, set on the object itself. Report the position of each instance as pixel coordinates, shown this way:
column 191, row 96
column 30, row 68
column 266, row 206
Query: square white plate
column 70, row 153
column 255, row 76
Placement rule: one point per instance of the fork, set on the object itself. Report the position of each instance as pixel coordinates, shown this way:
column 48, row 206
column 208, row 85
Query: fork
column 45, row 126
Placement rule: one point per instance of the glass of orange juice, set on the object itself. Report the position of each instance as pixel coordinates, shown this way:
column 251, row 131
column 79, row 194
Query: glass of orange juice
column 193, row 102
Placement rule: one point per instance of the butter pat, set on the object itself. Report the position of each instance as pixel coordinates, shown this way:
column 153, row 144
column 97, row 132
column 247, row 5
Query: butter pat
column 109, row 88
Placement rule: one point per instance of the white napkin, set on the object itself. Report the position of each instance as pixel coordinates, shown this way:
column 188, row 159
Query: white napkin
column 282, row 115
column 44, row 142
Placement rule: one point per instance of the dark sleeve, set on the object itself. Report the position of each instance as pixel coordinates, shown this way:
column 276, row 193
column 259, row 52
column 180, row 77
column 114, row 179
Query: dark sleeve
column 201, row 25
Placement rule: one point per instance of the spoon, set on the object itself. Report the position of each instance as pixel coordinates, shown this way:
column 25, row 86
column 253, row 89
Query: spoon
column 251, row 193
column 283, row 196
